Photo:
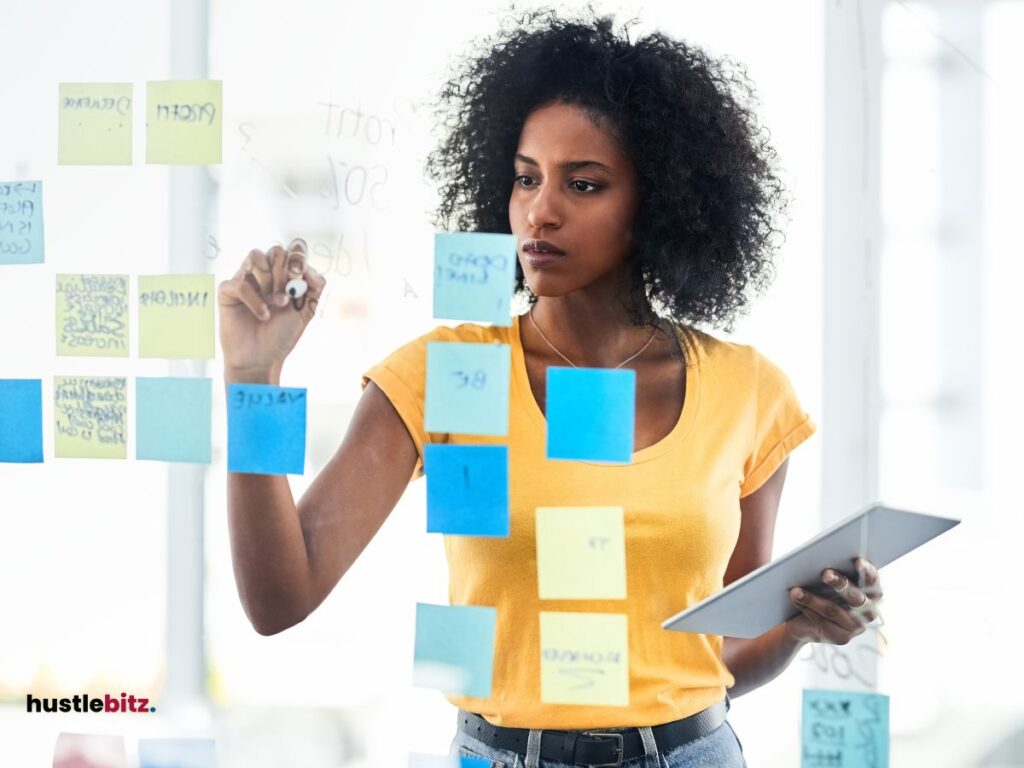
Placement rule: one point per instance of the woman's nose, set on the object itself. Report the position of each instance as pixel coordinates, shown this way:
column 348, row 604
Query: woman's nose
column 544, row 211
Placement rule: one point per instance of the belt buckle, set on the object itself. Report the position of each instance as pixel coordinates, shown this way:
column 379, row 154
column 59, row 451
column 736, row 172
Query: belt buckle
column 619, row 748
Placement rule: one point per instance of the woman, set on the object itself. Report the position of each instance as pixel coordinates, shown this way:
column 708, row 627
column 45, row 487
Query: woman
column 641, row 195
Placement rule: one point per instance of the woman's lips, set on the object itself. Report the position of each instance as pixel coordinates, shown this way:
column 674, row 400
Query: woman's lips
column 541, row 258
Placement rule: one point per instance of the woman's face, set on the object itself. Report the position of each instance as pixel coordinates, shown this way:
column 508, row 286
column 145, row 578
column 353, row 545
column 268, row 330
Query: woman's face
column 576, row 188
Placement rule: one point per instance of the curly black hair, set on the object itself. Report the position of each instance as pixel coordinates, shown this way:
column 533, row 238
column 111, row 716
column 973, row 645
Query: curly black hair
column 704, row 230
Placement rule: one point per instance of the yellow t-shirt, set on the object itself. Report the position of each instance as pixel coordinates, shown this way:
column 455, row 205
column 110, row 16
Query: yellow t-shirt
column 680, row 496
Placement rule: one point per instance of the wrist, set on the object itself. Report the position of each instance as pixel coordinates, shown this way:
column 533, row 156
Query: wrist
column 271, row 375
column 793, row 638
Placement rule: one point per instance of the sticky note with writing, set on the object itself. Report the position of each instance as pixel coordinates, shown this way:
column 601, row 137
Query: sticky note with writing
column 467, row 387
column 590, row 414
column 467, row 489
column 266, row 429
column 177, row 753
column 844, row 729
column 183, row 122
column 176, row 316
column 92, row 315
column 474, row 276
column 21, row 222
column 584, row 658
column 91, row 416
column 581, row 553
column 94, row 124
column 455, row 648
column 172, row 419
column 21, row 421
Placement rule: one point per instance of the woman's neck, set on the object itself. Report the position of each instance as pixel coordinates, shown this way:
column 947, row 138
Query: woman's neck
column 597, row 334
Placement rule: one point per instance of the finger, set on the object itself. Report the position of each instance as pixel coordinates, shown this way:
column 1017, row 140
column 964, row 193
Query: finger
column 279, row 270
column 296, row 260
column 232, row 292
column 827, row 612
column 851, row 595
column 868, row 578
column 256, row 268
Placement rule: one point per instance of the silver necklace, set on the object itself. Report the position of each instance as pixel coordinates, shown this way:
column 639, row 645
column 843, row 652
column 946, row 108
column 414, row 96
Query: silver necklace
column 570, row 362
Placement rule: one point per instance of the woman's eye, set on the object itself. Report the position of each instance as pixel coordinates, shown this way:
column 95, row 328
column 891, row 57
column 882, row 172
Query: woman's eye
column 521, row 177
column 588, row 183
column 589, row 186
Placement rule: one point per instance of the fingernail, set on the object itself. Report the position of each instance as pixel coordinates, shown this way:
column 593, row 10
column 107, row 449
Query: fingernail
column 281, row 300
column 265, row 313
column 831, row 577
column 798, row 594
column 296, row 268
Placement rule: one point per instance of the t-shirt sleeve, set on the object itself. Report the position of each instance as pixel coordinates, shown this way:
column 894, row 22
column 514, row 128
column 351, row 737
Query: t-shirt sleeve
column 402, row 377
column 781, row 424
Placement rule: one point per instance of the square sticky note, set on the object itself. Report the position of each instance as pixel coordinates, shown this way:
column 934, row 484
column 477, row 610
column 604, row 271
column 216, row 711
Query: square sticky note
column 21, row 222
column 584, row 658
column 21, row 421
column 92, row 315
column 172, row 419
column 89, row 750
column 94, row 125
column 844, row 729
column 177, row 753
column 176, row 316
column 591, row 414
column 474, row 276
column 581, row 553
column 467, row 387
column 455, row 648
column 266, row 429
column 183, row 122
column 90, row 417
column 467, row 489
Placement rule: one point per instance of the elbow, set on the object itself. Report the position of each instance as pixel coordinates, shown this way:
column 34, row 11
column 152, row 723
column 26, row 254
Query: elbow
column 272, row 623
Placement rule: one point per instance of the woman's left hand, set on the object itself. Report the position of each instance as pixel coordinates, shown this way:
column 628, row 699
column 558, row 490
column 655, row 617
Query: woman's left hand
column 824, row 620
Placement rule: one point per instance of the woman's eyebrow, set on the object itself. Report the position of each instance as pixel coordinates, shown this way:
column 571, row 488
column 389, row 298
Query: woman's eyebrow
column 569, row 165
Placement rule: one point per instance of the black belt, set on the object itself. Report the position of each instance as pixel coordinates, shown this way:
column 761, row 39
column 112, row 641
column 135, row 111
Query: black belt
column 595, row 748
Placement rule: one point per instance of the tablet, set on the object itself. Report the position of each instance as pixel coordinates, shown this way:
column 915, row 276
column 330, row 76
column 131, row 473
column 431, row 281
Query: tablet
column 760, row 600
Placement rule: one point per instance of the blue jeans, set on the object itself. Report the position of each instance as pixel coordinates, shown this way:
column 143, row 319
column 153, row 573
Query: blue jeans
column 720, row 748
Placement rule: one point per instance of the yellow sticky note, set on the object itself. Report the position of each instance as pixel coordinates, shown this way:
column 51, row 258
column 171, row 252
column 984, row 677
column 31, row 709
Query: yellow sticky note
column 92, row 315
column 183, row 122
column 94, row 126
column 90, row 414
column 584, row 658
column 176, row 316
column 581, row 553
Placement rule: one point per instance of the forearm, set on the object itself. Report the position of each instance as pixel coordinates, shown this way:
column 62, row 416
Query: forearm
column 268, row 548
column 757, row 660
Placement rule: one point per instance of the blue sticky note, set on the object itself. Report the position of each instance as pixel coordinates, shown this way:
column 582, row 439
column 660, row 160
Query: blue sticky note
column 844, row 729
column 21, row 421
column 474, row 276
column 21, row 222
column 591, row 414
column 177, row 753
column 266, row 429
column 465, row 761
column 467, row 387
column 455, row 648
column 467, row 489
column 172, row 419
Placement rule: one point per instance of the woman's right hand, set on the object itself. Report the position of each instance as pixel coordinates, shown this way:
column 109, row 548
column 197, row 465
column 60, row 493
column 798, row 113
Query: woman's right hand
column 258, row 324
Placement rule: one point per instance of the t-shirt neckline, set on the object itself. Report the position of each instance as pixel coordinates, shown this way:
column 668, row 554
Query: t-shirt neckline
column 687, row 416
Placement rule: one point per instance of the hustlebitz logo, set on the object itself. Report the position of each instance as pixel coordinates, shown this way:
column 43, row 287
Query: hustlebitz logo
column 86, row 703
